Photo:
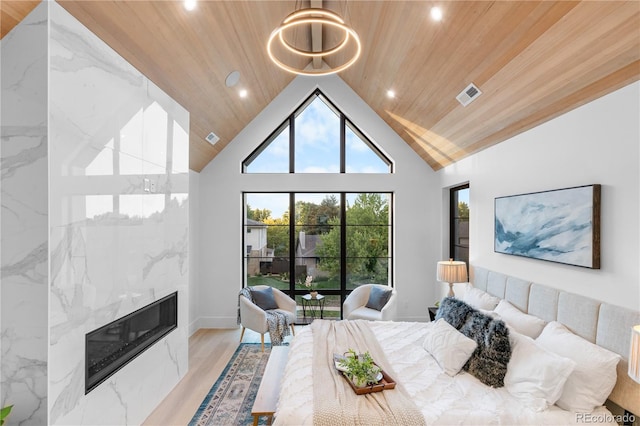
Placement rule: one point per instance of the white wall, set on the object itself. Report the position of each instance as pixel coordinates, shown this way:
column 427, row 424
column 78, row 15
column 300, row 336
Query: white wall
column 596, row 143
column 194, row 252
column 222, row 184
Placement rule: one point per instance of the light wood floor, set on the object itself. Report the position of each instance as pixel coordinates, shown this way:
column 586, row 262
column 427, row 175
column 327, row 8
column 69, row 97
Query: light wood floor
column 209, row 352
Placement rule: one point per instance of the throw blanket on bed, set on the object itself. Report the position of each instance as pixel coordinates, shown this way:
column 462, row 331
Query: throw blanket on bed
column 277, row 322
column 334, row 402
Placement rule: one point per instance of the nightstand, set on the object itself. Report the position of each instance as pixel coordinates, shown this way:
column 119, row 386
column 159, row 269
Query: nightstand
column 432, row 312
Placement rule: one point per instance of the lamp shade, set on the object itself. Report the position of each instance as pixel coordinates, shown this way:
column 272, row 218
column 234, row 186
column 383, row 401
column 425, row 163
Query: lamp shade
column 634, row 354
column 452, row 271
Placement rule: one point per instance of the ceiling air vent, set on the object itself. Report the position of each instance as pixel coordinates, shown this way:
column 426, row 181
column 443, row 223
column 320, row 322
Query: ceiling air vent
column 212, row 138
column 469, row 94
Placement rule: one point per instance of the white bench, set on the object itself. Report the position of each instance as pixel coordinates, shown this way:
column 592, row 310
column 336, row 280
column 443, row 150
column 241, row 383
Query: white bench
column 269, row 390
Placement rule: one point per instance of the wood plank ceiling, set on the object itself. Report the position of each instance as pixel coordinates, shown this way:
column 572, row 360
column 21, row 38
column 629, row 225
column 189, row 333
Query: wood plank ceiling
column 12, row 12
column 533, row 60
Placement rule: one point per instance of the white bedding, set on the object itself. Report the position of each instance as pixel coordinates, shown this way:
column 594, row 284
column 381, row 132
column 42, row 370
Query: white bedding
column 443, row 400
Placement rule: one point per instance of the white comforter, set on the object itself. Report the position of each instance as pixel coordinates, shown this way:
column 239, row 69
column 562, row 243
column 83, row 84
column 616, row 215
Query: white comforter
column 443, row 400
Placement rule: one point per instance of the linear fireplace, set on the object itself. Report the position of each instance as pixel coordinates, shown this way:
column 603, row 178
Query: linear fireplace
column 111, row 347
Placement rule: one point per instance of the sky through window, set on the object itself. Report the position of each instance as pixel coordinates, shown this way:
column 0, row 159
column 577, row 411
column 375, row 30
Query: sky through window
column 317, row 145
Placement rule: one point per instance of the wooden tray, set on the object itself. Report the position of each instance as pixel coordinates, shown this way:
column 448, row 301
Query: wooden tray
column 385, row 383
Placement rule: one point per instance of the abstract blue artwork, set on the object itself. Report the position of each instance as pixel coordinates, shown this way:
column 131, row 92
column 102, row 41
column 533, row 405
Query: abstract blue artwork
column 562, row 225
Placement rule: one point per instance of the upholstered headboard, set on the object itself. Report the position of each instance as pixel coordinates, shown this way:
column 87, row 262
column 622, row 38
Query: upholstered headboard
column 606, row 325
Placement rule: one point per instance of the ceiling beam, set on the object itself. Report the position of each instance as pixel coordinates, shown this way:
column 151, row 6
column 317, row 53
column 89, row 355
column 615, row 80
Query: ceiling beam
column 316, row 37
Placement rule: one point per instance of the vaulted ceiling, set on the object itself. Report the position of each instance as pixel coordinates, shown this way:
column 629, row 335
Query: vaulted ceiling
column 533, row 60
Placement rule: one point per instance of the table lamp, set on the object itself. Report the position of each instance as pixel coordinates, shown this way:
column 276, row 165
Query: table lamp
column 634, row 354
column 452, row 271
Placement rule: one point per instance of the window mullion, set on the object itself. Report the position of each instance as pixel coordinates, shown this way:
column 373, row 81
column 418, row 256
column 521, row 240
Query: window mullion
column 452, row 225
column 343, row 144
column 292, row 244
column 343, row 248
column 292, row 143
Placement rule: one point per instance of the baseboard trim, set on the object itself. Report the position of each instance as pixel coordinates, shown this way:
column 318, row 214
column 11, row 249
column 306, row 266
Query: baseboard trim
column 193, row 327
column 228, row 322
column 212, row 322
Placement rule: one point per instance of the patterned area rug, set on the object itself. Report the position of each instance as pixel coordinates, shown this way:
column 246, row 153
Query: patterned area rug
column 230, row 399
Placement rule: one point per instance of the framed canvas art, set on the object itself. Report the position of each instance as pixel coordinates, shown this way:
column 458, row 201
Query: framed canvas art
column 561, row 225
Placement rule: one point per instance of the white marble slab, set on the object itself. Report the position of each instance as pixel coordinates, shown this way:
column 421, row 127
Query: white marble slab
column 24, row 220
column 119, row 235
column 95, row 218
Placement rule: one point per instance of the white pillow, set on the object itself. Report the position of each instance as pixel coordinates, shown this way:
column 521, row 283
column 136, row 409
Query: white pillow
column 450, row 348
column 492, row 314
column 479, row 299
column 534, row 375
column 594, row 377
column 519, row 321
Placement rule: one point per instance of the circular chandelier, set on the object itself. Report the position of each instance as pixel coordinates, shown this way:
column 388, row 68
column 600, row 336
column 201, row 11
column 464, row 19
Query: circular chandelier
column 314, row 16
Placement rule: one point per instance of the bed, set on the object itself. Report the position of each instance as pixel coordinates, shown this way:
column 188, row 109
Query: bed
column 462, row 398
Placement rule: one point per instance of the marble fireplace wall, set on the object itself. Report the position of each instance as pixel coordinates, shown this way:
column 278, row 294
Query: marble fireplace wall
column 24, row 220
column 119, row 223
column 115, row 228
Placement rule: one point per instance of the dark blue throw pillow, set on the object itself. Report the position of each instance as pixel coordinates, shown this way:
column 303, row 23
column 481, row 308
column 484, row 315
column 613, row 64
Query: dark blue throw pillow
column 378, row 297
column 264, row 298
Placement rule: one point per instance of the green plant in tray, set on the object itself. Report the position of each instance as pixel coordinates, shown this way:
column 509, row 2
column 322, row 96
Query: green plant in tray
column 360, row 368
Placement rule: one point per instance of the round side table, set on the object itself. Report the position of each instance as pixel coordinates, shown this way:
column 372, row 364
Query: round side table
column 313, row 305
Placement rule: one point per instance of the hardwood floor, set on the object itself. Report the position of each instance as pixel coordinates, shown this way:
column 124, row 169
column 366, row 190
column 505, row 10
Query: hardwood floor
column 209, row 352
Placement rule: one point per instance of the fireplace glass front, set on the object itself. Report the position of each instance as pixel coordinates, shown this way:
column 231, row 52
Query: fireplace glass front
column 112, row 346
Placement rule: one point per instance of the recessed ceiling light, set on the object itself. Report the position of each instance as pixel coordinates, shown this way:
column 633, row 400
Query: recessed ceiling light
column 391, row 94
column 190, row 4
column 243, row 93
column 232, row 79
column 436, row 13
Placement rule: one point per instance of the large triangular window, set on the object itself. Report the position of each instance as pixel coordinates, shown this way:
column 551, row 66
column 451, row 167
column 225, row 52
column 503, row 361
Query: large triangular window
column 317, row 138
